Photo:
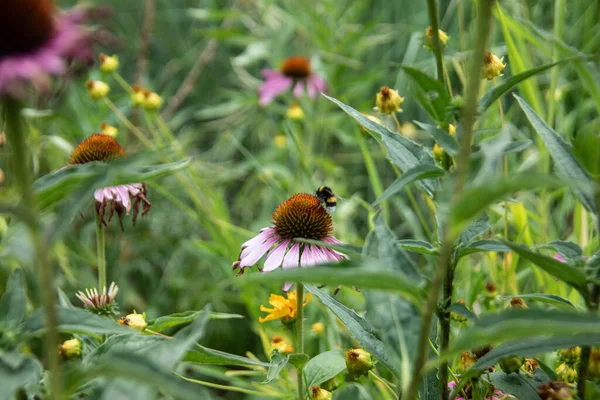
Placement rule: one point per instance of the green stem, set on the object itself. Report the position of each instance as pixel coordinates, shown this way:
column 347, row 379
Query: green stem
column 101, row 248
column 16, row 137
column 300, row 335
column 462, row 171
column 437, row 45
column 384, row 383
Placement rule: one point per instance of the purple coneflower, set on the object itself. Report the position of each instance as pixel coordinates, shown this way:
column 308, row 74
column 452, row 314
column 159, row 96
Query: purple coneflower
column 100, row 303
column 122, row 198
column 296, row 72
column 38, row 42
column 302, row 216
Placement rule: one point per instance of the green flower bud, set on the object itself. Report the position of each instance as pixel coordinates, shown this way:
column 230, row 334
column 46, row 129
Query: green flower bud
column 319, row 394
column 70, row 349
column 569, row 356
column 359, row 362
column 511, row 364
column 566, row 373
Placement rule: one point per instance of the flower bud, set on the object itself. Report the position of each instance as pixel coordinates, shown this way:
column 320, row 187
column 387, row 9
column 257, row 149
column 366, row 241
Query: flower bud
column 97, row 89
column 451, row 130
column 295, row 113
column 566, row 373
column 517, row 303
column 109, row 130
column 388, row 100
column 492, row 65
column 530, row 365
column 280, row 141
column 319, row 394
column 138, row 97
column 467, row 360
column 490, row 289
column 108, row 63
column 443, row 37
column 359, row 362
column 438, row 152
column 135, row 321
column 555, row 391
column 318, row 328
column 569, row 356
column 70, row 349
column 511, row 364
column 333, row 383
column 152, row 101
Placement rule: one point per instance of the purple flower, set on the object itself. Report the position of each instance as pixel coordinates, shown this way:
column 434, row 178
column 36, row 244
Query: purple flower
column 301, row 216
column 38, row 43
column 296, row 73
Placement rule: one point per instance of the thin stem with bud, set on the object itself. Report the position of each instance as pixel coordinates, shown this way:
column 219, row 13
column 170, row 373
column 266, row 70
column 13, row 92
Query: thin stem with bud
column 101, row 249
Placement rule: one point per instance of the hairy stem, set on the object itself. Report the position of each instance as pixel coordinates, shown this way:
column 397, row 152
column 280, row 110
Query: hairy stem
column 101, row 249
column 462, row 171
column 300, row 335
column 16, row 137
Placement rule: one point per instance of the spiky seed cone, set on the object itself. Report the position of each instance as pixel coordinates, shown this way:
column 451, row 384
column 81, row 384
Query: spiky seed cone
column 296, row 67
column 97, row 147
column 302, row 216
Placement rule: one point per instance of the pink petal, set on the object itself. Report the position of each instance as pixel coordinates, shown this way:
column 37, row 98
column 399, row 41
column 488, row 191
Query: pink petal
column 299, row 89
column 332, row 240
column 292, row 258
column 274, row 85
column 261, row 237
column 286, row 286
column 307, row 259
column 317, row 83
column 256, row 253
column 560, row 258
column 275, row 257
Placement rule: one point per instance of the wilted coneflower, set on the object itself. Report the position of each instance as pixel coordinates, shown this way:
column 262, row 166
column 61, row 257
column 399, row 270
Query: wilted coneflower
column 38, row 42
column 122, row 198
column 302, row 216
column 100, row 303
column 295, row 72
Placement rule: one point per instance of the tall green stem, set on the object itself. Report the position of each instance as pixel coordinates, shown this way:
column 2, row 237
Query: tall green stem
column 300, row 335
column 16, row 137
column 437, row 45
column 462, row 171
column 101, row 248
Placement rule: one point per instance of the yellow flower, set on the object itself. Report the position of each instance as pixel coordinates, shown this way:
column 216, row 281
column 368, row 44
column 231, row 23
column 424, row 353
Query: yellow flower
column 429, row 38
column 283, row 308
column 280, row 141
column 279, row 343
column 438, row 152
column 295, row 112
column 318, row 328
column 109, row 130
column 138, row 97
column 97, row 89
column 388, row 100
column 451, row 130
column 152, row 100
column 492, row 65
column 135, row 321
column 316, row 393
column 70, row 349
column 108, row 63
column 359, row 362
column 566, row 373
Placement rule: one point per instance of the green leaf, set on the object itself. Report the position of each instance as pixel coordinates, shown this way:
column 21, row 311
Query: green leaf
column 324, row 367
column 495, row 93
column 168, row 321
column 403, row 152
column 517, row 145
column 278, row 362
column 13, row 303
column 567, row 165
column 479, row 227
column 418, row 246
column 567, row 249
column 205, row 356
column 482, row 246
column 343, row 274
column 551, row 299
column 519, row 385
column 461, row 309
column 16, row 371
column 434, row 94
column 75, row 320
column 443, row 138
column 419, row 172
column 566, row 273
column 359, row 328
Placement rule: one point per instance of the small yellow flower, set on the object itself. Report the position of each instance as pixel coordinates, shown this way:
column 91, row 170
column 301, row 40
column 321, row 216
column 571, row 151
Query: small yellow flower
column 451, row 130
column 359, row 362
column 492, row 65
column 280, row 141
column 138, row 97
column 295, row 113
column 316, row 393
column 429, row 38
column 97, row 89
column 530, row 365
column 388, row 101
column 318, row 328
column 409, row 130
column 70, row 349
column 152, row 100
column 570, row 355
column 438, row 152
column 566, row 373
column 135, row 321
column 109, row 130
column 108, row 63
column 279, row 343
column 284, row 309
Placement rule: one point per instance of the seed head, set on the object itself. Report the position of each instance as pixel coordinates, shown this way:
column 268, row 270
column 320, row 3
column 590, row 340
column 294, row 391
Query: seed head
column 302, row 216
column 97, row 147
column 152, row 100
column 296, row 67
column 517, row 303
column 359, row 362
column 492, row 65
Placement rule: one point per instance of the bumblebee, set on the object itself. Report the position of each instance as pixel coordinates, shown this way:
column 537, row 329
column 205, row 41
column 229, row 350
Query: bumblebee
column 327, row 197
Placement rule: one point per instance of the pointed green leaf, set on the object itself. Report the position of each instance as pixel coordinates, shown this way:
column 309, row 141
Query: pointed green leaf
column 278, row 362
column 433, row 93
column 324, row 367
column 551, row 299
column 443, row 138
column 75, row 320
column 13, row 303
column 422, row 171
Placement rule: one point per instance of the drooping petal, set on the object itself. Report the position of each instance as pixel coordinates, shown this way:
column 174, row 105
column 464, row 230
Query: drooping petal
column 257, row 252
column 299, row 89
column 286, row 286
column 275, row 84
column 275, row 257
column 307, row 259
column 292, row 258
column 261, row 237
column 317, row 83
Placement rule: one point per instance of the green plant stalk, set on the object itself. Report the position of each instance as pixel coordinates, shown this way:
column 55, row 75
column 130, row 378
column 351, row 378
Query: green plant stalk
column 462, row 171
column 374, row 178
column 101, row 250
column 559, row 27
column 437, row 46
column 16, row 137
column 445, row 327
column 300, row 335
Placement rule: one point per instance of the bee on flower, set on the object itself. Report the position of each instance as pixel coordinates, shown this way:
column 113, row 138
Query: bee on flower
column 296, row 73
column 122, row 198
column 302, row 216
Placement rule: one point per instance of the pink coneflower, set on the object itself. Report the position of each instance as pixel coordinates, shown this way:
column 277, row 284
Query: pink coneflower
column 498, row 395
column 122, row 198
column 296, row 72
column 99, row 303
column 38, row 42
column 301, row 216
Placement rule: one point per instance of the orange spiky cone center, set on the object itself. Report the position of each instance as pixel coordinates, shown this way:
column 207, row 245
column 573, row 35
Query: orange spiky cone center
column 296, row 67
column 302, row 216
column 25, row 25
column 97, row 147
